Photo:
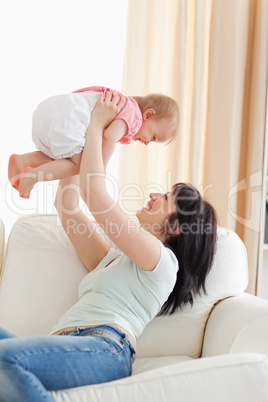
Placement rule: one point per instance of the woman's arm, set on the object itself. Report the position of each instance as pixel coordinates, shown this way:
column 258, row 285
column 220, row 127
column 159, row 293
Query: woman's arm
column 89, row 245
column 139, row 245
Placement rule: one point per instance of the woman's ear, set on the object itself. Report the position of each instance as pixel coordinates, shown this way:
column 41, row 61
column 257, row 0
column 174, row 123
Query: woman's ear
column 174, row 229
column 148, row 113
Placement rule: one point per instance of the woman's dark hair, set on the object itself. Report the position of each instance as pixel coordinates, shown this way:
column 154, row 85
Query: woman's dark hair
column 191, row 233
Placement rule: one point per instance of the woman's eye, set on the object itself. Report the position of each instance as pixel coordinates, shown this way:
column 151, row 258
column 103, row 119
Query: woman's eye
column 154, row 138
column 165, row 196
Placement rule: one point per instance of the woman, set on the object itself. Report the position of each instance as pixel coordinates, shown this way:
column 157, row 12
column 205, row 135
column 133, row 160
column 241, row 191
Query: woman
column 126, row 287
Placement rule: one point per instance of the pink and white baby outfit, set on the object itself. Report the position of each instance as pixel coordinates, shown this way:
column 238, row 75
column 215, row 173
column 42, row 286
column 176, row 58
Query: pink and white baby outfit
column 60, row 122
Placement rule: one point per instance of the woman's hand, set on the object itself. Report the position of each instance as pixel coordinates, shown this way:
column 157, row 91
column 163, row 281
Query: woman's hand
column 107, row 107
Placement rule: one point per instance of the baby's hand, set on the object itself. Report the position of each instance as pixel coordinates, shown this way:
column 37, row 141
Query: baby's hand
column 107, row 107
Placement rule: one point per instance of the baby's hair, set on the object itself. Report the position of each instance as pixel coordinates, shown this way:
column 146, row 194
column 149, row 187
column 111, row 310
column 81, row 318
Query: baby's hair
column 164, row 107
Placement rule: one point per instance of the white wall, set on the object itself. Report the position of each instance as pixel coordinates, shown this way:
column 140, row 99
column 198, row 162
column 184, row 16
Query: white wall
column 51, row 47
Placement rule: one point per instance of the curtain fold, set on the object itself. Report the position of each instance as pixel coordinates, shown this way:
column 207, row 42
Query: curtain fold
column 211, row 56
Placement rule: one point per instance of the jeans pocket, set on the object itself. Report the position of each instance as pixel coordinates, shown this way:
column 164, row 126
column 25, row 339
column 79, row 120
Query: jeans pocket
column 110, row 337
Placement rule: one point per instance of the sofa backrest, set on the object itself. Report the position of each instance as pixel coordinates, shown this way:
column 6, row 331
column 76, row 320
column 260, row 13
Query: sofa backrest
column 42, row 271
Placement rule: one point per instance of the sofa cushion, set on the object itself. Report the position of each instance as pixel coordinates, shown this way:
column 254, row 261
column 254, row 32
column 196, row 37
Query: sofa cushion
column 143, row 364
column 42, row 273
column 40, row 277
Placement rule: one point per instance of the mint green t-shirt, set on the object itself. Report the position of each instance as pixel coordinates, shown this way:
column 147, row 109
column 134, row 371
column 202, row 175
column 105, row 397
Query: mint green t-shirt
column 122, row 293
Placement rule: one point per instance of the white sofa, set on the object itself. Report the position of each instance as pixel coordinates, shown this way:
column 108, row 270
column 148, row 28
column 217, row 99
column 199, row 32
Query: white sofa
column 213, row 352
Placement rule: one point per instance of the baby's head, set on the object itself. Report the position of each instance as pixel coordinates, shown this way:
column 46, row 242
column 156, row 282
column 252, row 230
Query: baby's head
column 161, row 117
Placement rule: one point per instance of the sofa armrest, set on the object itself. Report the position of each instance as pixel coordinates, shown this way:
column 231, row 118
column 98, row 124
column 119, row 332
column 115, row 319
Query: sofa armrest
column 235, row 325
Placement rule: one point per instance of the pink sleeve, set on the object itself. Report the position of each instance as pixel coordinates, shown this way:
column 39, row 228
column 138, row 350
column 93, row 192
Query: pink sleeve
column 131, row 114
column 97, row 89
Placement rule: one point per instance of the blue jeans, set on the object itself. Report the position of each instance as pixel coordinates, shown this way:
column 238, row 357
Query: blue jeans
column 32, row 365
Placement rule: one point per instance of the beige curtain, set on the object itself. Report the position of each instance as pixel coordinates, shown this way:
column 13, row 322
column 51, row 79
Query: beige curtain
column 211, row 56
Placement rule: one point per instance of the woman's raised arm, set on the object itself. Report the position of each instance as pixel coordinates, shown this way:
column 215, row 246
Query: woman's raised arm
column 139, row 245
column 88, row 243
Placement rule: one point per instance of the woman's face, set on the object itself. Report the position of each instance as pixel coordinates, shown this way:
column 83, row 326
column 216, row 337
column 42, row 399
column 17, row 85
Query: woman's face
column 153, row 216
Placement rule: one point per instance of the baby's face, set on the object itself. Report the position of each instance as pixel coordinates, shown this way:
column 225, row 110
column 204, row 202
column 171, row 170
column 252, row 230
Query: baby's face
column 155, row 130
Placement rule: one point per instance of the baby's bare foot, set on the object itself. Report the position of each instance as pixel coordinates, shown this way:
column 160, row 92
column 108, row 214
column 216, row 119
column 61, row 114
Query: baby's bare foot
column 16, row 166
column 27, row 180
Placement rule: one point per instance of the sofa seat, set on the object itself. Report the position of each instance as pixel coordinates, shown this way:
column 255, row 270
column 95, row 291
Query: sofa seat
column 143, row 364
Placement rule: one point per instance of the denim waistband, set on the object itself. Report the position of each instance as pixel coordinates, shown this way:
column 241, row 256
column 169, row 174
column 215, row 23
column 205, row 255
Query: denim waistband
column 108, row 331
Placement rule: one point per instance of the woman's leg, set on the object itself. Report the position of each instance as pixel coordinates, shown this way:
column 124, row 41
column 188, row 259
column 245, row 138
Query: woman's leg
column 4, row 334
column 7, row 391
column 29, row 366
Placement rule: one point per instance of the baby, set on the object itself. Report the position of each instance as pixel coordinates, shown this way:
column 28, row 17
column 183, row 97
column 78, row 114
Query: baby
column 59, row 132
